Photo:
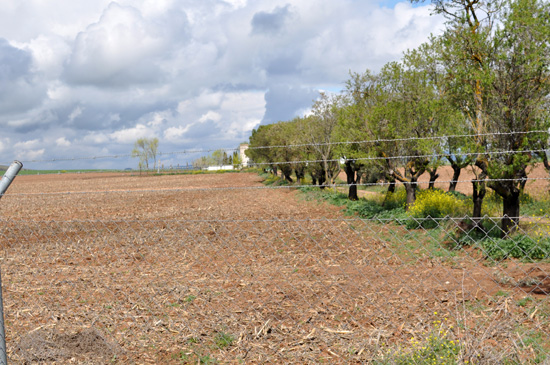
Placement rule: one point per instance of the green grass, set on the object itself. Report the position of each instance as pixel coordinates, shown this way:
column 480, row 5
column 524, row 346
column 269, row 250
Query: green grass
column 223, row 340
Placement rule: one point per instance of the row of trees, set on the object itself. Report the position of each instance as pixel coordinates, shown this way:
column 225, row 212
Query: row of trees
column 487, row 79
column 218, row 158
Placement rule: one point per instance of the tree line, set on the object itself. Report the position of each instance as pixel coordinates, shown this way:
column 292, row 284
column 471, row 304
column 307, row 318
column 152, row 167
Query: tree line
column 482, row 86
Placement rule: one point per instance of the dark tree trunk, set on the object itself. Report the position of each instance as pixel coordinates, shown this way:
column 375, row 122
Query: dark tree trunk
column 479, row 190
column 274, row 169
column 456, row 174
column 391, row 188
column 322, row 181
column 523, row 181
column 351, row 178
column 410, row 188
column 300, row 173
column 510, row 216
column 479, row 193
column 287, row 176
column 433, row 176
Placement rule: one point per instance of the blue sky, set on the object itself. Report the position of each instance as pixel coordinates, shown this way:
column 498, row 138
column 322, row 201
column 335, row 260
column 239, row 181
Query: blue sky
column 87, row 78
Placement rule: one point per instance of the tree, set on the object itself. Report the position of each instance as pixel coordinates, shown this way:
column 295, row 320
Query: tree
column 497, row 56
column 409, row 106
column 259, row 150
column 352, row 127
column 319, row 133
column 146, row 149
column 519, row 94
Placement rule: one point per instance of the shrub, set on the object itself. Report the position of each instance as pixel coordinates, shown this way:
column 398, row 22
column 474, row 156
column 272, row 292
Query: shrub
column 520, row 247
column 395, row 200
column 436, row 203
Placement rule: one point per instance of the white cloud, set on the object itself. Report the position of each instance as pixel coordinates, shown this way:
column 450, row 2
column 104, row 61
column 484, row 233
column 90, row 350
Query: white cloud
column 30, row 155
column 210, row 115
column 75, row 113
column 95, row 138
column 30, row 144
column 175, row 134
column 130, row 135
column 118, row 50
column 62, row 142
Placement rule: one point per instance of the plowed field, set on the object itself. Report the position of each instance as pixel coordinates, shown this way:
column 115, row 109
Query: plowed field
column 122, row 268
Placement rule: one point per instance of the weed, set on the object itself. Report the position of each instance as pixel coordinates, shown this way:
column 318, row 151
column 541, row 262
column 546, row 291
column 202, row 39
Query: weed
column 524, row 301
column 502, row 293
column 223, row 340
column 190, row 298
column 437, row 346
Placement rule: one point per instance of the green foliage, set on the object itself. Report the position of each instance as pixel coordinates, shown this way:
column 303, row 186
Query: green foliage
column 395, row 200
column 521, row 247
column 364, row 208
column 223, row 340
column 146, row 149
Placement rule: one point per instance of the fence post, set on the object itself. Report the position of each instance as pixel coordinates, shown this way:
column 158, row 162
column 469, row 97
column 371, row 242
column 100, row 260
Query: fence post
column 7, row 179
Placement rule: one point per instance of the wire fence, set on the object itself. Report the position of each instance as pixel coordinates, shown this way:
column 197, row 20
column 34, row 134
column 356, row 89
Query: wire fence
column 211, row 271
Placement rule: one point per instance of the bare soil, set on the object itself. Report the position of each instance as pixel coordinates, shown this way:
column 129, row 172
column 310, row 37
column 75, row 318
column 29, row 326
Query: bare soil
column 191, row 268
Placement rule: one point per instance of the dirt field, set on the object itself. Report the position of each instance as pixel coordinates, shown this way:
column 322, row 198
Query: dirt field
column 100, row 268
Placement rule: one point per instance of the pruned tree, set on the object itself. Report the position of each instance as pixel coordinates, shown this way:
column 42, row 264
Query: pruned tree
column 353, row 127
column 319, row 133
column 497, row 58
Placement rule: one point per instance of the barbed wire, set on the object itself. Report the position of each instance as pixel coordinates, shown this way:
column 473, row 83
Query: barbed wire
column 382, row 140
column 369, row 141
column 267, row 187
column 399, row 157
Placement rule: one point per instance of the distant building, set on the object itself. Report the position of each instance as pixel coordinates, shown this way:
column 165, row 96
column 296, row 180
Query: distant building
column 217, row 168
column 244, row 158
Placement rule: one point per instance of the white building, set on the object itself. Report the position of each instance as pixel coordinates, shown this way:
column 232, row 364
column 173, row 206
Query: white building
column 244, row 158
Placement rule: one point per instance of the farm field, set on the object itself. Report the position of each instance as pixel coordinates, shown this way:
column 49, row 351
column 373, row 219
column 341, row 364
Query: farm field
column 115, row 267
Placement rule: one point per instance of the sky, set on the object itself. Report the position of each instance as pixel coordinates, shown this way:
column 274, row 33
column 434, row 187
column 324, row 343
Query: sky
column 81, row 80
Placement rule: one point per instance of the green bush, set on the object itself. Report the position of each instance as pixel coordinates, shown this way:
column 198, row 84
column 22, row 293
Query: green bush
column 519, row 247
column 395, row 200
column 436, row 203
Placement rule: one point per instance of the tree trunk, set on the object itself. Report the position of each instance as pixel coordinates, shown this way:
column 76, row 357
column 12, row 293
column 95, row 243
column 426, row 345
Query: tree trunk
column 391, row 190
column 287, row 176
column 410, row 188
column 454, row 179
column 479, row 193
column 274, row 169
column 351, row 180
column 300, row 173
column 433, row 176
column 510, row 213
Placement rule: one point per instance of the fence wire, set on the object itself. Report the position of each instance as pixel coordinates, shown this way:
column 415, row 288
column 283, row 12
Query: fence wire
column 337, row 290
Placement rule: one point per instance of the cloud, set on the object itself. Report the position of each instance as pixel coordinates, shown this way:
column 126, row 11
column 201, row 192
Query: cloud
column 210, row 116
column 92, row 77
column 130, row 135
column 19, row 91
column 270, row 23
column 62, row 142
column 123, row 48
column 284, row 102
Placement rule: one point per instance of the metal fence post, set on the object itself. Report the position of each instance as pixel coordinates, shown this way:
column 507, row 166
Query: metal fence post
column 7, row 179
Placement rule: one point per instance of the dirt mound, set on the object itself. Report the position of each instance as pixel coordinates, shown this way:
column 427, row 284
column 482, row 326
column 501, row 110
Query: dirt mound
column 88, row 345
